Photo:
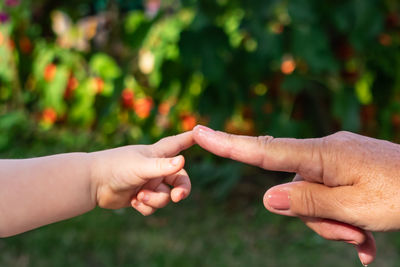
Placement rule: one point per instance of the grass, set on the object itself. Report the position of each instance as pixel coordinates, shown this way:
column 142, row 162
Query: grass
column 198, row 232
column 207, row 229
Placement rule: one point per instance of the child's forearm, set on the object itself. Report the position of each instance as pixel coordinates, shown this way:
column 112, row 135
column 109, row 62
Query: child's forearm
column 39, row 191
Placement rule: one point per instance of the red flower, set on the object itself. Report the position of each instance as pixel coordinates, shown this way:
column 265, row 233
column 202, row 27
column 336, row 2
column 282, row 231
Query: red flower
column 164, row 108
column 11, row 44
column 385, row 39
column 396, row 120
column 25, row 45
column 72, row 84
column 50, row 72
column 98, row 85
column 49, row 115
column 143, row 107
column 127, row 98
column 288, row 66
column 188, row 122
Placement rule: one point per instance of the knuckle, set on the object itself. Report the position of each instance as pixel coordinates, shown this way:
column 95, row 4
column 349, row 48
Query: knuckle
column 159, row 164
column 343, row 133
column 153, row 148
column 263, row 142
column 229, row 137
column 315, row 154
column 308, row 203
column 341, row 145
column 229, row 145
column 341, row 138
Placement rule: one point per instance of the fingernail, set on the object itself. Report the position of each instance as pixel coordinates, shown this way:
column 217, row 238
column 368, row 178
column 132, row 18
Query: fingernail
column 175, row 161
column 204, row 129
column 361, row 256
column 182, row 196
column 143, row 197
column 279, row 199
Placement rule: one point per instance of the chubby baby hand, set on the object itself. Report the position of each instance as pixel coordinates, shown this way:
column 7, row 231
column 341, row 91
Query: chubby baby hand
column 145, row 177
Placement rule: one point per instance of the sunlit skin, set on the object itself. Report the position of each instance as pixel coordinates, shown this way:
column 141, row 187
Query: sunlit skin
column 39, row 191
column 345, row 186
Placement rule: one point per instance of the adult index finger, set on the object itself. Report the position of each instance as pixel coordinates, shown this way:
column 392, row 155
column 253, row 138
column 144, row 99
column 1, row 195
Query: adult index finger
column 277, row 154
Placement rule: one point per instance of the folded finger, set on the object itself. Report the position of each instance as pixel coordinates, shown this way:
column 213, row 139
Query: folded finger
column 337, row 231
column 144, row 209
column 158, row 198
column 181, row 185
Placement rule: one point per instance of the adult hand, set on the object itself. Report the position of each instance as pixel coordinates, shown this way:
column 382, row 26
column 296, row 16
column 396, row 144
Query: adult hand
column 346, row 184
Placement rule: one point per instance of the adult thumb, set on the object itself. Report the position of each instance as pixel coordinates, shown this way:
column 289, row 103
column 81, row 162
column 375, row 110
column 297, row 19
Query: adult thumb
column 152, row 168
column 311, row 200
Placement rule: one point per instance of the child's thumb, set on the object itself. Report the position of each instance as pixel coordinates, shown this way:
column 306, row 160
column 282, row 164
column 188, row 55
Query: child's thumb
column 158, row 167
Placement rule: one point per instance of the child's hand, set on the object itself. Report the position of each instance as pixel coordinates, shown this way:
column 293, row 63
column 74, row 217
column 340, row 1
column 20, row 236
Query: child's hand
column 141, row 175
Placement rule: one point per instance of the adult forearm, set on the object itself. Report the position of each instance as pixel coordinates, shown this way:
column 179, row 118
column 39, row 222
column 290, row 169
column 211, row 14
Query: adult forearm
column 39, row 191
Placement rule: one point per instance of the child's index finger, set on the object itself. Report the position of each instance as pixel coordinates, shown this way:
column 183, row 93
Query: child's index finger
column 173, row 145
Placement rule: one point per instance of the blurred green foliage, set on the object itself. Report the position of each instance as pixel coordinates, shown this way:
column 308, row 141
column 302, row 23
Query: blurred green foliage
column 87, row 75
column 93, row 74
column 130, row 71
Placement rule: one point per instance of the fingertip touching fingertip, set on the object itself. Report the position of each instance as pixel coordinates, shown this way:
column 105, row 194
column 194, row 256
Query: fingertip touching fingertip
column 201, row 129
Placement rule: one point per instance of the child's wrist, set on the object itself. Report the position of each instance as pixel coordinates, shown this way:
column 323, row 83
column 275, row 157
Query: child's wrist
column 94, row 167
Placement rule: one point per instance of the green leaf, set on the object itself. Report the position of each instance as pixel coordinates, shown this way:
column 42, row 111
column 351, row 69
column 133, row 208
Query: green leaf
column 82, row 111
column 311, row 44
column 363, row 88
column 104, row 66
column 293, row 83
column 133, row 21
column 54, row 90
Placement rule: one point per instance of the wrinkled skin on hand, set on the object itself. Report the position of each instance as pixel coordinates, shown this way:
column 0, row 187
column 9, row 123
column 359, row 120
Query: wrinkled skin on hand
column 345, row 186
